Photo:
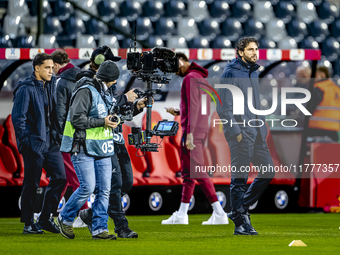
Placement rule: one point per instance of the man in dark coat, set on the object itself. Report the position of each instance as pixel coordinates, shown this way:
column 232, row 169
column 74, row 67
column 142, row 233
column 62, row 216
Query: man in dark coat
column 247, row 143
column 34, row 120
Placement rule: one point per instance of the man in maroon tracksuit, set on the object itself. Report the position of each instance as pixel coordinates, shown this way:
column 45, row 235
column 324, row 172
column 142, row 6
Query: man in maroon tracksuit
column 195, row 130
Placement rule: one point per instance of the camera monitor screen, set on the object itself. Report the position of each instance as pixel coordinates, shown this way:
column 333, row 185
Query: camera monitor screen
column 165, row 126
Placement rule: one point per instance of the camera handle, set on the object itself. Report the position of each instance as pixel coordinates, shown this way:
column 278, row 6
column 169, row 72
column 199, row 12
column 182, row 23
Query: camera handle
column 148, row 112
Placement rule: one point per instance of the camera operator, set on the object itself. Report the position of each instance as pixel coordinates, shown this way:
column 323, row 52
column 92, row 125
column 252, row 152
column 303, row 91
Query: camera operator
column 88, row 137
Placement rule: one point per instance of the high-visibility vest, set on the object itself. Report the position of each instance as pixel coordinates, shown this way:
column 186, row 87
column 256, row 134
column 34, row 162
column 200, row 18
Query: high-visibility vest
column 99, row 141
column 327, row 114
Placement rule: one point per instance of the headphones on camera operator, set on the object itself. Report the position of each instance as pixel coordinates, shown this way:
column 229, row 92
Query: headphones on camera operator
column 101, row 57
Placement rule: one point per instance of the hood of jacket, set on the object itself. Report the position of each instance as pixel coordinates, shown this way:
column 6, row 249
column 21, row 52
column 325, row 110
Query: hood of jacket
column 31, row 81
column 70, row 74
column 195, row 68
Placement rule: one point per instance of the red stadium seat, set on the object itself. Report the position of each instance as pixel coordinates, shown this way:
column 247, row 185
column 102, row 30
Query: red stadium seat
column 176, row 140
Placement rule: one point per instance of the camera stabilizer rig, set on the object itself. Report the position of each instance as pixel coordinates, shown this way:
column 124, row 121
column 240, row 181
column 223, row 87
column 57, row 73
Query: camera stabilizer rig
column 147, row 66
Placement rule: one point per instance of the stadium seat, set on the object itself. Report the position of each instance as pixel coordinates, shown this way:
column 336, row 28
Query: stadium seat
column 47, row 42
column 163, row 164
column 89, row 6
column 284, row 11
column 8, row 160
column 24, row 41
column 52, row 26
column 85, row 41
column 276, row 30
column 164, row 28
column 287, row 43
column 187, row 28
column 221, row 42
column 232, row 28
column 177, row 42
column 74, row 27
column 241, row 10
column 62, row 10
column 154, row 41
column 175, row 10
column 267, row 43
column 263, row 11
column 209, row 28
column 17, row 8
column 5, row 42
column 306, row 11
column 96, row 28
column 198, row 42
column 198, row 10
column 336, row 68
column 33, row 9
column 153, row 10
column 297, row 29
column 107, row 9
column 253, row 28
column 176, row 140
column 327, row 12
column 220, row 10
column 130, row 10
column 12, row 26
column 144, row 28
column 330, row 49
column 335, row 29
column 122, row 24
column 309, row 43
column 125, row 43
column 108, row 40
column 319, row 30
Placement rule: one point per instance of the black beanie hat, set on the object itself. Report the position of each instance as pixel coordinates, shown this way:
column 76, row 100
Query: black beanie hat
column 108, row 71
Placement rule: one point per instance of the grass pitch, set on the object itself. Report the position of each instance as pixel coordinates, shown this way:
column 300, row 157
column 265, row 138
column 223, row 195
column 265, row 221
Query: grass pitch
column 321, row 233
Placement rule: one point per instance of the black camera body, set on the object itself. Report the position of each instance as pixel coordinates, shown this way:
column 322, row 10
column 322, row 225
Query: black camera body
column 122, row 113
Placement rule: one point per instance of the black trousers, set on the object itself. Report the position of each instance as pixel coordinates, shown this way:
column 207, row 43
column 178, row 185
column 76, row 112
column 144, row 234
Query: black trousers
column 242, row 153
column 52, row 162
column 121, row 184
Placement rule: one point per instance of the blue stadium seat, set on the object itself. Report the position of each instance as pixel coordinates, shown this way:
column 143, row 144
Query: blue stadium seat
column 297, row 29
column 254, row 28
column 144, row 28
column 187, row 28
column 335, row 29
column 17, row 8
column 125, row 44
column 153, row 10
column 263, row 11
column 107, row 9
column 220, row 10
column 47, row 10
column 131, row 10
column 108, row 40
column 327, row 12
column 175, row 10
column 62, row 10
column 198, row 10
column 232, row 28
column 336, row 68
column 309, row 43
column 306, row 11
column 177, row 42
column 276, row 29
column 73, row 27
column 330, row 49
column 209, row 28
column 266, row 43
column 284, row 11
column 5, row 42
column 221, row 42
column 96, row 28
column 52, row 26
column 154, row 41
column 48, row 42
column 122, row 24
column 89, row 6
column 198, row 42
column 12, row 26
column 241, row 10
column 319, row 30
column 85, row 41
column 165, row 27
column 24, row 41
column 287, row 43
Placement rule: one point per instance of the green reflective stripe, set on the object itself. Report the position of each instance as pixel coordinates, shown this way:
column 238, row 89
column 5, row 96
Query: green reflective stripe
column 99, row 133
column 69, row 129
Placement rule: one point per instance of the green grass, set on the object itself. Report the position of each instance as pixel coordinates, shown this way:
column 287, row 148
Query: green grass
column 321, row 233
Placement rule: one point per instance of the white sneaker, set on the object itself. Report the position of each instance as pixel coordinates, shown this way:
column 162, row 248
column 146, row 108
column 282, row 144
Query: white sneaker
column 176, row 219
column 36, row 216
column 78, row 223
column 217, row 220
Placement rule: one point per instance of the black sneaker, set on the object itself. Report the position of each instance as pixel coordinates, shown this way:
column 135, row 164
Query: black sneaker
column 244, row 229
column 65, row 230
column 49, row 225
column 86, row 217
column 246, row 218
column 126, row 232
column 33, row 229
column 104, row 235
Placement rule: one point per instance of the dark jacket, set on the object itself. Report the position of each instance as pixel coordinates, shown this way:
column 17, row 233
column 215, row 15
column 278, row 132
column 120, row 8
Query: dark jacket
column 244, row 76
column 28, row 114
column 87, row 73
column 65, row 85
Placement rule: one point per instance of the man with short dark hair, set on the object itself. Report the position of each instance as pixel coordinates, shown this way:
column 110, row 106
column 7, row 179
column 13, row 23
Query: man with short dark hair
column 247, row 143
column 66, row 82
column 34, row 120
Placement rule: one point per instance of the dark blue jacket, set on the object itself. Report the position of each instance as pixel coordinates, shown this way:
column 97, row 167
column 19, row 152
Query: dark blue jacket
column 242, row 75
column 28, row 114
